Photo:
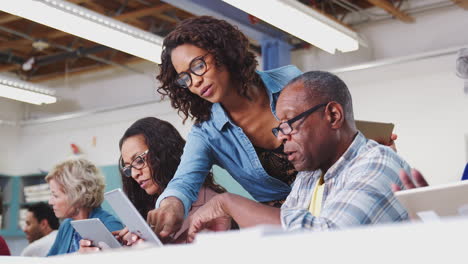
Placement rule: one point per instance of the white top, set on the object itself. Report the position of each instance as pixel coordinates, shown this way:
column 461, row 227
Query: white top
column 40, row 247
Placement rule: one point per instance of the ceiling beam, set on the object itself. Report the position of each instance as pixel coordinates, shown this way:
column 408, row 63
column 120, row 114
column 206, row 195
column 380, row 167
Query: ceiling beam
column 8, row 18
column 461, row 3
column 86, row 69
column 144, row 12
column 390, row 8
column 10, row 67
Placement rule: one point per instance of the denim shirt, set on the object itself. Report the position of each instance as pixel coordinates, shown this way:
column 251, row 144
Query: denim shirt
column 219, row 141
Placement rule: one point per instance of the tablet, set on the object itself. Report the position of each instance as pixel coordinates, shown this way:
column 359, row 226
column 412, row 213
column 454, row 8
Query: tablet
column 433, row 202
column 130, row 216
column 380, row 132
column 93, row 229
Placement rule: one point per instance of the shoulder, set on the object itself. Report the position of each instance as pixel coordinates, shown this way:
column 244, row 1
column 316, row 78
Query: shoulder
column 64, row 227
column 277, row 78
column 65, row 224
column 108, row 219
column 102, row 214
column 40, row 247
column 376, row 165
column 374, row 154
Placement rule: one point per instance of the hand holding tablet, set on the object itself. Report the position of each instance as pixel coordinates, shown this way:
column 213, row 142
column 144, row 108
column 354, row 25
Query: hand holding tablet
column 130, row 216
column 94, row 230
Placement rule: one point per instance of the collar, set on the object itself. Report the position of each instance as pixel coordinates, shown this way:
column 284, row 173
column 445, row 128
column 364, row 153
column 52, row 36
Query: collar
column 352, row 151
column 95, row 212
column 219, row 116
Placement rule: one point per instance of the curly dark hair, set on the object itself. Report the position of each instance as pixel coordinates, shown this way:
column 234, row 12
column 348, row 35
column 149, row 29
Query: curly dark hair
column 165, row 147
column 229, row 48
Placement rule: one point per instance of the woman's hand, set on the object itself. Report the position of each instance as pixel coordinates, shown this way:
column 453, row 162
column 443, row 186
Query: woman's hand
column 167, row 219
column 127, row 238
column 85, row 247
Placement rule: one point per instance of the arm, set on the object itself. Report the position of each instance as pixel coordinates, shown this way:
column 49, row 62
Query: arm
column 176, row 200
column 195, row 163
column 364, row 197
column 217, row 212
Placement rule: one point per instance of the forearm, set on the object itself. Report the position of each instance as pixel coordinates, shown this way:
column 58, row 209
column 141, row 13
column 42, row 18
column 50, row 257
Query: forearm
column 249, row 213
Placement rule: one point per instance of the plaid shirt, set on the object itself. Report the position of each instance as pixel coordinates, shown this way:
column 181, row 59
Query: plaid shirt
column 357, row 190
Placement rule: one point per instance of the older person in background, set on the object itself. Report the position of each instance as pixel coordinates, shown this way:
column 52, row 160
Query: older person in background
column 40, row 228
column 77, row 188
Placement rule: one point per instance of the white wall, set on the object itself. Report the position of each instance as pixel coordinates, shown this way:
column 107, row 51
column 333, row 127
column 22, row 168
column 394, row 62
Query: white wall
column 432, row 30
column 426, row 102
column 10, row 110
column 44, row 145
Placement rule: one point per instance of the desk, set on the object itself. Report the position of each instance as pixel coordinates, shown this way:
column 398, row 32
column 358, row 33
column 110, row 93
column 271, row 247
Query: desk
column 434, row 242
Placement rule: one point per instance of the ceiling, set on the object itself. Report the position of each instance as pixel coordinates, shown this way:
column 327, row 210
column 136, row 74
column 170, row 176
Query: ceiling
column 37, row 53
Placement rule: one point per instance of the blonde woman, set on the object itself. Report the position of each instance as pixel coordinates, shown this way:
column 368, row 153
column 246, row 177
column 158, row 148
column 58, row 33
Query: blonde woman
column 77, row 189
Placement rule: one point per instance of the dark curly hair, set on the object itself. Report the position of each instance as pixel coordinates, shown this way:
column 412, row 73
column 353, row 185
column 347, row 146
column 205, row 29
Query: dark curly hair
column 229, row 48
column 165, row 147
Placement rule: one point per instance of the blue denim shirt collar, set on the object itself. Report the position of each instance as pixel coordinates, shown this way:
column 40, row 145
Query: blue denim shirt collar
column 273, row 85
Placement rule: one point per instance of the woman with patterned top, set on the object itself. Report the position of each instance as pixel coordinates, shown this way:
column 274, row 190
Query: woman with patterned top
column 77, row 188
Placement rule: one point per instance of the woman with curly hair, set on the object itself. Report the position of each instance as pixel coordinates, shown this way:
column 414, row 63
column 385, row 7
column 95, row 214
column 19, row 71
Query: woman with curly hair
column 77, row 188
column 210, row 76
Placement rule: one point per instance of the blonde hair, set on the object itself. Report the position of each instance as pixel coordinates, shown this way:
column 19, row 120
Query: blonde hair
column 81, row 181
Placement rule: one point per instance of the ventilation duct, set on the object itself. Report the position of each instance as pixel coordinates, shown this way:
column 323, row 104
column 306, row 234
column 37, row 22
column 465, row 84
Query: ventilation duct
column 462, row 66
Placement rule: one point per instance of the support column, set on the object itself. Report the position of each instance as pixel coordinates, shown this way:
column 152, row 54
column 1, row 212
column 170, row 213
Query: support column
column 275, row 53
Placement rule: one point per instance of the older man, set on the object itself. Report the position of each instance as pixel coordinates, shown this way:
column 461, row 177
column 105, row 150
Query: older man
column 40, row 228
column 344, row 178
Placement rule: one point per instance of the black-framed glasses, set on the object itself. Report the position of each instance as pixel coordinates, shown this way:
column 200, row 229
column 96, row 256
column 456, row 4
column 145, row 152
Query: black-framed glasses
column 139, row 162
column 286, row 128
column 197, row 66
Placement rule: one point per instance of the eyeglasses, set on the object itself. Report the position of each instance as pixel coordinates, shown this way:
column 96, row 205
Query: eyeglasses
column 197, row 66
column 285, row 127
column 138, row 163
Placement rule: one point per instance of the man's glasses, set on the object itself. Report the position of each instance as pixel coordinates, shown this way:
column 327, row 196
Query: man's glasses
column 286, row 128
column 138, row 163
column 197, row 66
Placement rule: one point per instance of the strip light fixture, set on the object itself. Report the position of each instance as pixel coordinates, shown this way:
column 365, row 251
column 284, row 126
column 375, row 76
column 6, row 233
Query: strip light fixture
column 302, row 22
column 25, row 91
column 87, row 24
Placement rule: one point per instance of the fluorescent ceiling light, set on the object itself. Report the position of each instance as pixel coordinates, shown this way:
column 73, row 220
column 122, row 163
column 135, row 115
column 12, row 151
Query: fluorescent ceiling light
column 87, row 24
column 25, row 92
column 302, row 22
